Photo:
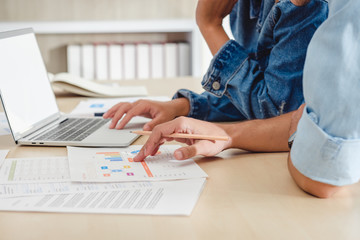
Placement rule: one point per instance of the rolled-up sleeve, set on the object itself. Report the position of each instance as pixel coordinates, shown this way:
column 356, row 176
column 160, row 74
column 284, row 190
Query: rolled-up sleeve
column 327, row 143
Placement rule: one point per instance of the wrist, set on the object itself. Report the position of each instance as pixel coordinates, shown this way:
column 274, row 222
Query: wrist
column 205, row 25
column 230, row 132
column 181, row 106
column 211, row 29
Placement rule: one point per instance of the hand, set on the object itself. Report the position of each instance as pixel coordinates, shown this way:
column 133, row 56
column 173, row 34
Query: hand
column 190, row 126
column 158, row 111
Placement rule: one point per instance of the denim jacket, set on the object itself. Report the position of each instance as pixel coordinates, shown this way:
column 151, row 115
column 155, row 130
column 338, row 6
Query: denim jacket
column 259, row 74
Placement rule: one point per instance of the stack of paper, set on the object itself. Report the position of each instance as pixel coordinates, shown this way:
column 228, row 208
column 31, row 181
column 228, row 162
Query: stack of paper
column 80, row 86
column 102, row 180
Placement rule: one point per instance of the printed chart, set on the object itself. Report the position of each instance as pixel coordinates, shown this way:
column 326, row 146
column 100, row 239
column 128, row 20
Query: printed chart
column 28, row 170
column 116, row 164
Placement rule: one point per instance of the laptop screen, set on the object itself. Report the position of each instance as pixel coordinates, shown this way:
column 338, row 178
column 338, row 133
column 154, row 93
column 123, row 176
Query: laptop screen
column 25, row 89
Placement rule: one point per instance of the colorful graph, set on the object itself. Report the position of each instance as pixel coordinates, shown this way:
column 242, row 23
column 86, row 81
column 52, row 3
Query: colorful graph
column 119, row 163
column 116, row 164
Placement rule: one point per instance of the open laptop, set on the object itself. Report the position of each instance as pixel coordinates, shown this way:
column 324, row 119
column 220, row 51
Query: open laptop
column 30, row 106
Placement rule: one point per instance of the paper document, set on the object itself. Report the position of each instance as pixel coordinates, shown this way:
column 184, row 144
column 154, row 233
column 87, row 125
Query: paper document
column 44, row 184
column 77, row 85
column 31, row 189
column 116, row 164
column 163, row 198
column 34, row 170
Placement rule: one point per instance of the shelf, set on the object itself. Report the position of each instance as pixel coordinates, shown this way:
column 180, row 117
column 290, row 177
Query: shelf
column 86, row 27
column 187, row 26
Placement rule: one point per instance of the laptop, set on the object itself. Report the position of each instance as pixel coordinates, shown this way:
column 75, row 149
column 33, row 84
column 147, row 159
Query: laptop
column 30, row 106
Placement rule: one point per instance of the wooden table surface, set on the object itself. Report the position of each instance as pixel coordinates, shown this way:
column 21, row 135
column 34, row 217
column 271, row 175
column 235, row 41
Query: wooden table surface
column 247, row 196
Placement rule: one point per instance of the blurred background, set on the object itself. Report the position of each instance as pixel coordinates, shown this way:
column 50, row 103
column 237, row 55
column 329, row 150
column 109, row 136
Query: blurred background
column 106, row 24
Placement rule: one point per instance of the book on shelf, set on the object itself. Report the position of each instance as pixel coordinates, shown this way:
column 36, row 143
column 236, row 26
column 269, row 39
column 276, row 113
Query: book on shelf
column 143, row 60
column 184, row 57
column 101, row 61
column 115, row 62
column 77, row 85
column 157, row 60
column 74, row 59
column 130, row 60
column 87, row 61
column 171, row 68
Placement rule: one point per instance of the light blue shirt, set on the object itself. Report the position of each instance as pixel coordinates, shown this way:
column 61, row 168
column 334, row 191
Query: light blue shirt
column 327, row 143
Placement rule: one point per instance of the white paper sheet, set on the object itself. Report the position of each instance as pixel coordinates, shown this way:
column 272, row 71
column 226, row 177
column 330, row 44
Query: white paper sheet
column 116, row 164
column 34, row 170
column 162, row 198
column 30, row 189
column 100, row 105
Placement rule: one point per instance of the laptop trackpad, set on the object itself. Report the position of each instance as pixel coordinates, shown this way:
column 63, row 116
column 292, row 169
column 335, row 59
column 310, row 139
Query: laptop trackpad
column 115, row 137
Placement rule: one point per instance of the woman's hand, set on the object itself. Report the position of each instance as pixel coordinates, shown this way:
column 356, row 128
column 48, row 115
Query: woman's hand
column 189, row 126
column 159, row 112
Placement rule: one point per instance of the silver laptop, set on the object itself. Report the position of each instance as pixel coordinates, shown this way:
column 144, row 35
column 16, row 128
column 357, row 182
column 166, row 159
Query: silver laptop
column 30, row 106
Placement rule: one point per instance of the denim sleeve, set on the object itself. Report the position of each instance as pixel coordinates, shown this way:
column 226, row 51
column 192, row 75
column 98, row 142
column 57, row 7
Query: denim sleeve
column 268, row 82
column 207, row 107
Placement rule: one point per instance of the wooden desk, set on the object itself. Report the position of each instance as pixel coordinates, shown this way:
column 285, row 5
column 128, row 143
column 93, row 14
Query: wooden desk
column 247, row 196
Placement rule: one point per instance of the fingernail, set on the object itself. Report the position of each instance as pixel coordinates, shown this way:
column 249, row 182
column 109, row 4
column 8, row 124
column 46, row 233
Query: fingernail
column 178, row 155
column 136, row 158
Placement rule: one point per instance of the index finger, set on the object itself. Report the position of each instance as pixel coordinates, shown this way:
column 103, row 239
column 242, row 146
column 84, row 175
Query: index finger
column 110, row 113
column 155, row 139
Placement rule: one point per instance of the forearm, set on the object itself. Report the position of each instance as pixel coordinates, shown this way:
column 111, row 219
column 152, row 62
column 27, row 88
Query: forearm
column 209, row 18
column 263, row 135
column 215, row 37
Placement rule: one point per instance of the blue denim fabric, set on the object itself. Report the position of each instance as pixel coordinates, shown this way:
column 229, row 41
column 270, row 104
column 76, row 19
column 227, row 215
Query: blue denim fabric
column 245, row 84
column 327, row 143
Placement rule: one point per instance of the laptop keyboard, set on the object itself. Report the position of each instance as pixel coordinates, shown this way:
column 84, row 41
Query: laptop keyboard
column 73, row 129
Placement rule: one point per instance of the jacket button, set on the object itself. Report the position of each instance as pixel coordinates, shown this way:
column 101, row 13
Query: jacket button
column 216, row 85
